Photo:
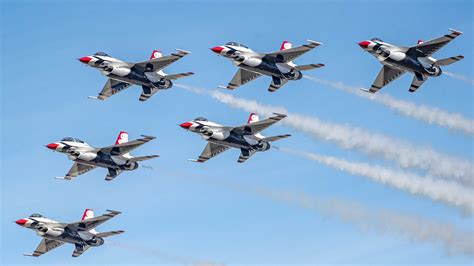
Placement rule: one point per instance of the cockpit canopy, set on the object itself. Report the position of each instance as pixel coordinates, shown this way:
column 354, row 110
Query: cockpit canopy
column 72, row 140
column 376, row 40
column 200, row 119
column 36, row 215
column 101, row 54
column 236, row 44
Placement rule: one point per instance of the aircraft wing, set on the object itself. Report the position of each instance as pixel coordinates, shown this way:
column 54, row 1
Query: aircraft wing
column 241, row 77
column 210, row 151
column 78, row 169
column 275, row 138
column 159, row 63
column 292, row 53
column 126, row 147
column 430, row 47
column 259, row 126
column 45, row 246
column 109, row 233
column 385, row 76
column 86, row 225
column 112, row 87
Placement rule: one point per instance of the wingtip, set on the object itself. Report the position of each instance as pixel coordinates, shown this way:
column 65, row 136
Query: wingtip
column 456, row 31
column 366, row 90
column 315, row 42
column 114, row 212
column 281, row 115
column 224, row 87
column 93, row 97
column 183, row 51
column 194, row 161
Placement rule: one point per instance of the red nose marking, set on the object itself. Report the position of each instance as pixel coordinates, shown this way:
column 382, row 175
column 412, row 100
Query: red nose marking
column 85, row 59
column 52, row 146
column 21, row 222
column 217, row 49
column 186, row 125
column 364, row 44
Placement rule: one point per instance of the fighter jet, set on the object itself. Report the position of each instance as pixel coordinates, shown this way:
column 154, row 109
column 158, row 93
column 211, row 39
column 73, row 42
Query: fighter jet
column 278, row 65
column 397, row 60
column 115, row 158
column 148, row 74
column 220, row 138
column 81, row 233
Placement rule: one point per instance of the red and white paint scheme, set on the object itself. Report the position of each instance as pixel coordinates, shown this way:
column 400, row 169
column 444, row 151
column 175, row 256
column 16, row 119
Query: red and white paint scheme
column 116, row 158
column 247, row 137
column 397, row 60
column 147, row 74
column 278, row 65
column 81, row 234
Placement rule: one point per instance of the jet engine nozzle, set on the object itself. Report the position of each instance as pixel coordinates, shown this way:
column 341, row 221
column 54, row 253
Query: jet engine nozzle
column 95, row 241
column 131, row 165
column 263, row 146
column 434, row 70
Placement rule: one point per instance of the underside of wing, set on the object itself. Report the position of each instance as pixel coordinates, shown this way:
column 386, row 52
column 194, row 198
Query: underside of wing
column 210, row 151
column 159, row 63
column 86, row 225
column 385, row 76
column 78, row 169
column 44, row 246
column 112, row 87
column 257, row 127
column 241, row 77
column 430, row 47
column 109, row 233
column 120, row 149
column 287, row 55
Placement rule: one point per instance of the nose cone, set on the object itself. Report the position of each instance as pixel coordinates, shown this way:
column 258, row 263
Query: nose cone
column 85, row 59
column 52, row 146
column 217, row 49
column 186, row 125
column 364, row 44
column 21, row 222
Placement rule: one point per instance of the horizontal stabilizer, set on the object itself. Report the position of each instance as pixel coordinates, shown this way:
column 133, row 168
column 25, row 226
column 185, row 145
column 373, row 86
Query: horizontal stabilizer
column 143, row 158
column 179, row 75
column 308, row 67
column 449, row 60
column 109, row 233
column 275, row 138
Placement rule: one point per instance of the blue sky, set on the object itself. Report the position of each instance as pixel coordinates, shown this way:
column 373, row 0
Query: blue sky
column 44, row 98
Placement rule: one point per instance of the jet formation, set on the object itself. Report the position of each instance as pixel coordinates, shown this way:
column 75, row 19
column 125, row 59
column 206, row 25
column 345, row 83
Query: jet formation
column 247, row 137
column 397, row 60
column 81, row 234
column 116, row 158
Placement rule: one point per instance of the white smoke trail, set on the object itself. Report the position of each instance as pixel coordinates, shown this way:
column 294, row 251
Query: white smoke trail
column 431, row 115
column 466, row 79
column 164, row 256
column 439, row 190
column 406, row 154
column 453, row 240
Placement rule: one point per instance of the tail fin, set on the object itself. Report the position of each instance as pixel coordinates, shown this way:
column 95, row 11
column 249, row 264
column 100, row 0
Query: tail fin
column 88, row 214
column 253, row 118
column 449, row 60
column 156, row 54
column 286, row 45
column 122, row 138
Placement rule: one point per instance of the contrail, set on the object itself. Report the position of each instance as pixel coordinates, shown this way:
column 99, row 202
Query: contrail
column 431, row 115
column 407, row 155
column 466, row 79
column 413, row 227
column 164, row 256
column 438, row 190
